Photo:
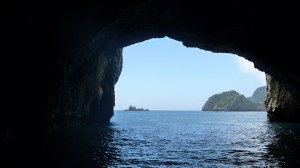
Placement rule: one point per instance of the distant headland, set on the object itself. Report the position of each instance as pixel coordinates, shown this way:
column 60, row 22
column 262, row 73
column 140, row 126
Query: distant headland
column 133, row 108
column 234, row 101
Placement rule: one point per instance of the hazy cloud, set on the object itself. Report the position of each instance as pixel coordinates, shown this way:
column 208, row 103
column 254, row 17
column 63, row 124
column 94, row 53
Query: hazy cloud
column 246, row 66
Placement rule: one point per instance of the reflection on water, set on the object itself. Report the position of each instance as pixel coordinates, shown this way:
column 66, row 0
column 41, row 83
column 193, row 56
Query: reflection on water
column 196, row 140
column 284, row 144
column 106, row 152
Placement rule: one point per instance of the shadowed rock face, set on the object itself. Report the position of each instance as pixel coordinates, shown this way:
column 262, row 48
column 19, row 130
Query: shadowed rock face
column 61, row 61
column 280, row 103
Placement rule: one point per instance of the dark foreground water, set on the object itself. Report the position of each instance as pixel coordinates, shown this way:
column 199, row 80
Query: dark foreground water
column 178, row 139
column 196, row 139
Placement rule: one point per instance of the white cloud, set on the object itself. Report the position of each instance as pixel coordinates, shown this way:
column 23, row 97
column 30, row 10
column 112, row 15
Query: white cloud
column 246, row 66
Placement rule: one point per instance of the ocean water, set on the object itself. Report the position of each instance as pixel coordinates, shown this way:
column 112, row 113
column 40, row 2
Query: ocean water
column 195, row 139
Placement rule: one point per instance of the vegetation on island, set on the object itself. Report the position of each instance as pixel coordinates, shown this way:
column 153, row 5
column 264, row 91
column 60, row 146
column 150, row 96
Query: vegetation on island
column 234, row 101
column 259, row 95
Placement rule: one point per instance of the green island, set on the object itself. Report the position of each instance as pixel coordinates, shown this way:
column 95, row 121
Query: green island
column 234, row 101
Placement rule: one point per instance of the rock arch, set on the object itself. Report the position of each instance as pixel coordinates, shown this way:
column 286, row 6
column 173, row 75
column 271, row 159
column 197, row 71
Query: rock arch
column 62, row 60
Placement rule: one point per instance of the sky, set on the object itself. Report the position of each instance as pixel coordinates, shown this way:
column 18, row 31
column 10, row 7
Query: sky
column 163, row 74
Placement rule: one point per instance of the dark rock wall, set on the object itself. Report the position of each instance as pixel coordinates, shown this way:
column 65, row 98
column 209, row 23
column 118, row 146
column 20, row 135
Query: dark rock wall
column 58, row 71
column 281, row 105
column 61, row 60
column 85, row 89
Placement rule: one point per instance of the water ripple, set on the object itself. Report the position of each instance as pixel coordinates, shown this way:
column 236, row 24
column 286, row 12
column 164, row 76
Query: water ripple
column 198, row 140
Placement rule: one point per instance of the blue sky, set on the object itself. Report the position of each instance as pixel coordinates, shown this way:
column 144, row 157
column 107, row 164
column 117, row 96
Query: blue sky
column 162, row 74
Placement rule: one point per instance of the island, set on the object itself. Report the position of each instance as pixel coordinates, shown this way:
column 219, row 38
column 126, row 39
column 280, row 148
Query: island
column 259, row 95
column 133, row 108
column 234, row 101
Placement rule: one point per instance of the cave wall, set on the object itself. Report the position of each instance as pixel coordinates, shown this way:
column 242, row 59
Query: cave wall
column 84, row 92
column 58, row 71
column 281, row 105
column 61, row 60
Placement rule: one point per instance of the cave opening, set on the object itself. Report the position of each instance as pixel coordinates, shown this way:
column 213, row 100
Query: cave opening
column 163, row 74
column 166, row 136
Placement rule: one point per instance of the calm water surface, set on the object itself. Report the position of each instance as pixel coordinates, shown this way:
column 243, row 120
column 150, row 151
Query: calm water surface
column 196, row 139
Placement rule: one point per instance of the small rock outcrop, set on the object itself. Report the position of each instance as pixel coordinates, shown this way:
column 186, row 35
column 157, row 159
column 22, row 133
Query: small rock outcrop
column 231, row 101
column 133, row 108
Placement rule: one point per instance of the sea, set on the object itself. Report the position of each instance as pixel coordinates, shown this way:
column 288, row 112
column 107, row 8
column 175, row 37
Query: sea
column 184, row 139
